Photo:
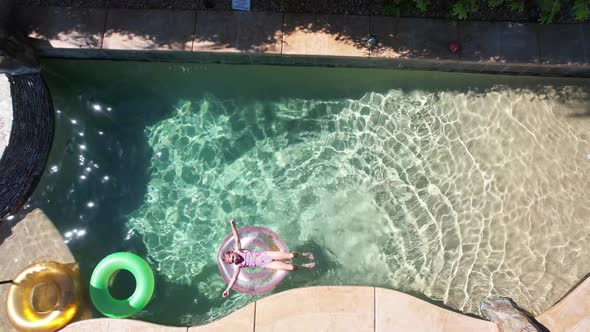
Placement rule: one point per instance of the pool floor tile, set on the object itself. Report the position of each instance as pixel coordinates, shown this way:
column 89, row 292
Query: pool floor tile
column 255, row 32
column 134, row 29
column 306, row 34
column 63, row 27
column 503, row 42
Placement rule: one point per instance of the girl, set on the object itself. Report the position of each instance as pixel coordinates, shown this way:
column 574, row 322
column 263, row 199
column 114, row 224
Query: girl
column 268, row 259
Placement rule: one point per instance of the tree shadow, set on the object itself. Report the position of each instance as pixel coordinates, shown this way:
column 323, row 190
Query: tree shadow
column 272, row 32
column 251, row 32
column 291, row 6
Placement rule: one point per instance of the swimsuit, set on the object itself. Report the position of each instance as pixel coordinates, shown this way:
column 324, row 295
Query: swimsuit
column 255, row 258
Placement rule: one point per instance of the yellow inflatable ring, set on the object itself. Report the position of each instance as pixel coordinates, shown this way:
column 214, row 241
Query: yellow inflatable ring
column 19, row 300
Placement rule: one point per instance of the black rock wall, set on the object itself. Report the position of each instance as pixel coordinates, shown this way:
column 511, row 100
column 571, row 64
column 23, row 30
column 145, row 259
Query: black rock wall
column 24, row 158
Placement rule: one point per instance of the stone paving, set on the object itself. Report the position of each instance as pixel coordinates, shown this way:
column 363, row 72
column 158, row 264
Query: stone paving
column 572, row 313
column 30, row 240
column 402, row 42
column 5, row 113
column 326, row 308
column 351, row 308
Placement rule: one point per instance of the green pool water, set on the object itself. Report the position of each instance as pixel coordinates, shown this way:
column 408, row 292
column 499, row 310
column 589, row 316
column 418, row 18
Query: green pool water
column 451, row 187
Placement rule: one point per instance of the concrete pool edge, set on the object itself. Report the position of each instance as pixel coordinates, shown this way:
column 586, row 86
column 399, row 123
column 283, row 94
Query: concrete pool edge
column 28, row 239
column 338, row 308
column 308, row 40
column 356, row 308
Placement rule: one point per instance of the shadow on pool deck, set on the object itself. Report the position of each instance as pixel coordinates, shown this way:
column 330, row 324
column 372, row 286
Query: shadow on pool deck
column 304, row 34
column 257, row 32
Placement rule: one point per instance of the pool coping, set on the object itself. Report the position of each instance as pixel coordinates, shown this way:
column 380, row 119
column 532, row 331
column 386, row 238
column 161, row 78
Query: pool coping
column 325, row 308
column 28, row 238
column 356, row 308
column 307, row 40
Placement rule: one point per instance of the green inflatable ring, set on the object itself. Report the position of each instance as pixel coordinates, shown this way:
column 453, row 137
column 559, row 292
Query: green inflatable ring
column 99, row 285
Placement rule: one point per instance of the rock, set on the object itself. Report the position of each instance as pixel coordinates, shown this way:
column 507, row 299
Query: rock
column 509, row 318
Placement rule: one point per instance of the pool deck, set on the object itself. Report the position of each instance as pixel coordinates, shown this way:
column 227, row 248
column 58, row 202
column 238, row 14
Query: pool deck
column 327, row 308
column 307, row 39
column 572, row 313
column 349, row 308
column 23, row 242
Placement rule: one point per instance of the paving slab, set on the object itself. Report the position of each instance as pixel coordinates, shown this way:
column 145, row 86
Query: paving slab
column 503, row 42
column 307, row 34
column 343, row 308
column 561, row 43
column 570, row 314
column 119, row 325
column 63, row 27
column 4, row 322
column 317, row 309
column 241, row 320
column 395, row 311
column 138, row 29
column 252, row 32
column 384, row 29
column 32, row 239
column 419, row 39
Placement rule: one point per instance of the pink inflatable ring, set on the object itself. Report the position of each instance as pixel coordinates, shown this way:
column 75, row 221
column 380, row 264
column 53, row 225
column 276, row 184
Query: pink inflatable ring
column 252, row 280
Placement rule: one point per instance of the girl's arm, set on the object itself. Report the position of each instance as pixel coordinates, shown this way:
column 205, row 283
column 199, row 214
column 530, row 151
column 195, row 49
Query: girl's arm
column 236, row 236
column 232, row 281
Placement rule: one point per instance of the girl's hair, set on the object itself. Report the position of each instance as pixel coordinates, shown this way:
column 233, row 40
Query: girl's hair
column 227, row 257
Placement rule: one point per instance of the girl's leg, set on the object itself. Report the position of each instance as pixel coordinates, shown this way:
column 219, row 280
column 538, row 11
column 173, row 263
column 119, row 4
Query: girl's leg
column 278, row 265
column 281, row 255
column 285, row 256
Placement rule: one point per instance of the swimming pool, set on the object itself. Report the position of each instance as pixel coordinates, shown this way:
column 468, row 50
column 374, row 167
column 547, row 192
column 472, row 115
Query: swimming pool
column 453, row 187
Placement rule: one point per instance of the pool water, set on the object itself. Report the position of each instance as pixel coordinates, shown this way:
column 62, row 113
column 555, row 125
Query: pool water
column 452, row 187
